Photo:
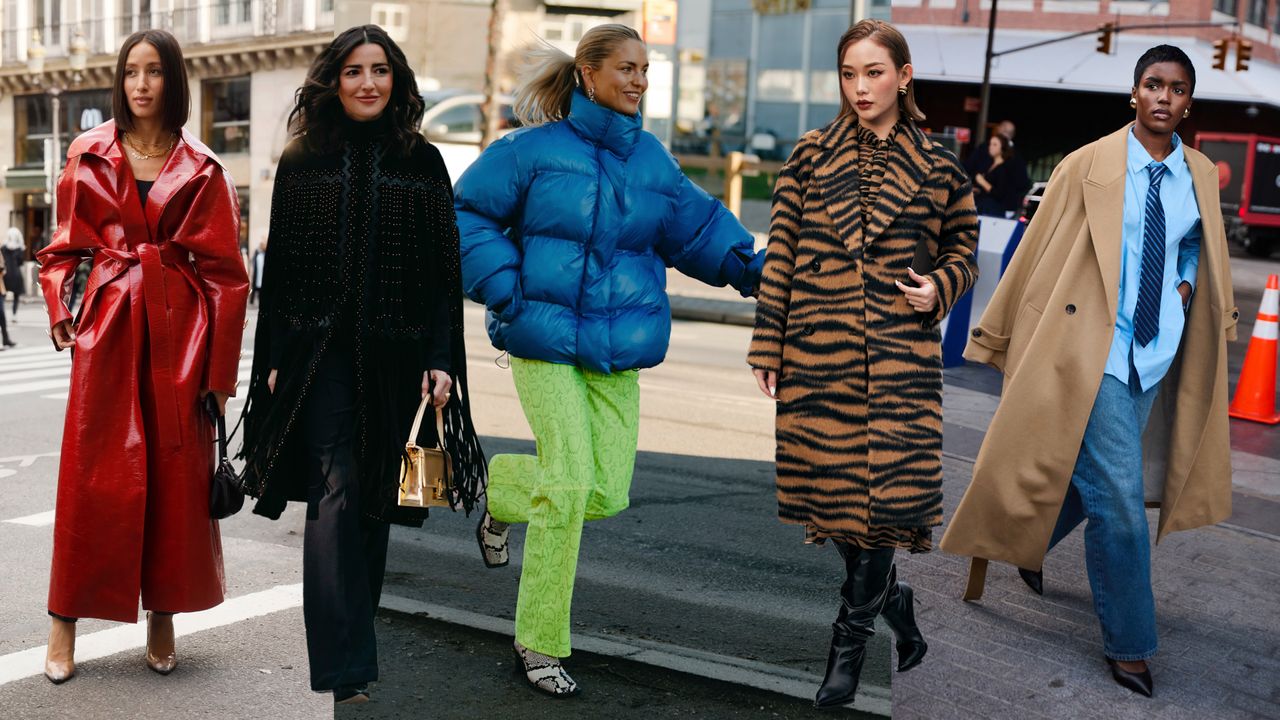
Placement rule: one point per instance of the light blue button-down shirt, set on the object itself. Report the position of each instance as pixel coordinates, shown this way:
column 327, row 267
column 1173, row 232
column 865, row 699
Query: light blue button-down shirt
column 1182, row 230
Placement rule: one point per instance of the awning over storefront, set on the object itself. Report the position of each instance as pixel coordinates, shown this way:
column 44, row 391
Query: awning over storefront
column 953, row 54
column 25, row 179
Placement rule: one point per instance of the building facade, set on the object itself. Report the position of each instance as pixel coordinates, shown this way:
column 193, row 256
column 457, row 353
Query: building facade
column 244, row 57
column 1064, row 92
column 244, row 60
column 763, row 67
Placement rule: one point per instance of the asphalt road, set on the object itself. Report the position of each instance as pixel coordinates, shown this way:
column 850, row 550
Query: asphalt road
column 698, row 570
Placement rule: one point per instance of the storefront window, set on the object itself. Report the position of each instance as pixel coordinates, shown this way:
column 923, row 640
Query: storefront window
column 225, row 115
column 33, row 115
column 1258, row 12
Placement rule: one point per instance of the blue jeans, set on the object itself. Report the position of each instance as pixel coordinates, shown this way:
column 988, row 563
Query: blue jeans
column 1106, row 488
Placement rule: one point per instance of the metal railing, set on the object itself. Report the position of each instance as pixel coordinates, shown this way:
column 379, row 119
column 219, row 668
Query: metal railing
column 193, row 23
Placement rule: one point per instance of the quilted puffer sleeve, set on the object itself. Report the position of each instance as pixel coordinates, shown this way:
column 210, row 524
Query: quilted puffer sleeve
column 488, row 200
column 705, row 241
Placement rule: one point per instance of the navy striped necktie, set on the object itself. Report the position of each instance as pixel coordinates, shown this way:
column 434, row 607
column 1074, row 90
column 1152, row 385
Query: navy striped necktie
column 1146, row 319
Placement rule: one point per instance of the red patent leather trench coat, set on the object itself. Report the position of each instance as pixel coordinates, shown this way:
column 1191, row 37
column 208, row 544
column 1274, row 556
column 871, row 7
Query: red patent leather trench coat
column 161, row 322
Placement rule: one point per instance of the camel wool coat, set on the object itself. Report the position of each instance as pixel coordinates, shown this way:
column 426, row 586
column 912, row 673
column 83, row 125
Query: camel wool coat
column 1049, row 329
column 859, row 412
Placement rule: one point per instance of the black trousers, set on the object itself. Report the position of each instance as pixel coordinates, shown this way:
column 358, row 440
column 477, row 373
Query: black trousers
column 344, row 555
column 4, row 326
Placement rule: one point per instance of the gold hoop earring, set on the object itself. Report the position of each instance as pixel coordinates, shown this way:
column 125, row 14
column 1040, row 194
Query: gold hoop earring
column 1186, row 113
column 591, row 94
column 902, row 91
column 1133, row 103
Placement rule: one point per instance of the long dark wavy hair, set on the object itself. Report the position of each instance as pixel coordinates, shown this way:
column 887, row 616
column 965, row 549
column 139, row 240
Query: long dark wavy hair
column 317, row 110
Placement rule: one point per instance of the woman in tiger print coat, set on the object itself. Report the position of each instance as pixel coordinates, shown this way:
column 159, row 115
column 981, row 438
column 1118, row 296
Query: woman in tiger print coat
column 847, row 341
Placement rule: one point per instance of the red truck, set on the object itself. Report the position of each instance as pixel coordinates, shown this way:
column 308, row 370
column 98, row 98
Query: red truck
column 1249, row 184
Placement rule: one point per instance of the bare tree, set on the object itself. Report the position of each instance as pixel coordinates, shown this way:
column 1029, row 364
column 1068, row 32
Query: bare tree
column 492, row 109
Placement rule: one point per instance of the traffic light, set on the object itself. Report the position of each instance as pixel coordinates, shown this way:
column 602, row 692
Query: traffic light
column 1220, row 54
column 1105, row 31
column 1244, row 51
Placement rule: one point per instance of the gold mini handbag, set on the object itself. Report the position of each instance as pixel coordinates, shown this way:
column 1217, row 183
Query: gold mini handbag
column 425, row 479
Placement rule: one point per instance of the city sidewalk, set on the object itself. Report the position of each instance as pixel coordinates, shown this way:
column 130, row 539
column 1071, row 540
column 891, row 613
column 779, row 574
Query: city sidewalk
column 1017, row 655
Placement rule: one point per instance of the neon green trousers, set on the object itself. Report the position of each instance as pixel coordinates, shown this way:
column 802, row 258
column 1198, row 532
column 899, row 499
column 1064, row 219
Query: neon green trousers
column 585, row 424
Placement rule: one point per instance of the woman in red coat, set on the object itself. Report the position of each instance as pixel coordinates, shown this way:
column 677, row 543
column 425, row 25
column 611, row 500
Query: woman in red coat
column 159, row 328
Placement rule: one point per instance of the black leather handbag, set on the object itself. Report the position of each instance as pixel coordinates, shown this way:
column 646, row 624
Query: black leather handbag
column 226, row 493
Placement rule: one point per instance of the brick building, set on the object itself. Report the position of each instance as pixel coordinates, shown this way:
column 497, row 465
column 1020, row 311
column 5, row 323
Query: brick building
column 1064, row 94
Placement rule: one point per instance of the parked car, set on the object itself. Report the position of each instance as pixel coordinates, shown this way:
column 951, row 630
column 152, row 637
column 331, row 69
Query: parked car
column 1031, row 201
column 1249, row 187
column 453, row 123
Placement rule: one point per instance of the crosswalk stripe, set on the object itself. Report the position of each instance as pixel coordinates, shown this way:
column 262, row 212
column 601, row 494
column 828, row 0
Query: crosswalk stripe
column 27, row 375
column 32, row 386
column 33, row 350
column 30, row 374
column 32, row 364
column 37, row 520
column 105, row 643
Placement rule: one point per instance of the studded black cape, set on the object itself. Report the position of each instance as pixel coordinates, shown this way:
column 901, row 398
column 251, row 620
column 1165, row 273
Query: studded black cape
column 363, row 250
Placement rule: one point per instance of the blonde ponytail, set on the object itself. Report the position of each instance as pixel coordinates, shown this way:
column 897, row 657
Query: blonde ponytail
column 546, row 88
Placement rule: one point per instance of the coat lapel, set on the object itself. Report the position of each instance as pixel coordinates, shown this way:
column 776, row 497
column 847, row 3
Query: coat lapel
column 906, row 167
column 182, row 164
column 1104, row 208
column 835, row 177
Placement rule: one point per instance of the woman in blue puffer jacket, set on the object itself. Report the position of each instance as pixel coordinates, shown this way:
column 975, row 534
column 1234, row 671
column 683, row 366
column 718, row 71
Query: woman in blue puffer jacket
column 567, row 228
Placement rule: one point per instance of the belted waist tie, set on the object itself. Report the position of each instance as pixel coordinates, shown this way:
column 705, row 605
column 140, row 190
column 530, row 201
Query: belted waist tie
column 144, row 267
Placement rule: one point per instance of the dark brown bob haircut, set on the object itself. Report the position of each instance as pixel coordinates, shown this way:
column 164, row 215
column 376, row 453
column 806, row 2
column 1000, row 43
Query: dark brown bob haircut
column 175, row 100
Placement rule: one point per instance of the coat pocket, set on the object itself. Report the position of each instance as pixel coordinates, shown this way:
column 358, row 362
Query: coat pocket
column 1024, row 328
column 1230, row 319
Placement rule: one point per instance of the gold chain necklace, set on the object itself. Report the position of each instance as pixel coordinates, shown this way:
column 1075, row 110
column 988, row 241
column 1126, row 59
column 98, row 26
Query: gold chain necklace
column 138, row 153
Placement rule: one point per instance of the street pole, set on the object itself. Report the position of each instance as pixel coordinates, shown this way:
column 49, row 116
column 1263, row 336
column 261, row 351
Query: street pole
column 983, row 111
column 54, row 93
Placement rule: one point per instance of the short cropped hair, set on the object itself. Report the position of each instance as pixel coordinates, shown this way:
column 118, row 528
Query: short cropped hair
column 1164, row 53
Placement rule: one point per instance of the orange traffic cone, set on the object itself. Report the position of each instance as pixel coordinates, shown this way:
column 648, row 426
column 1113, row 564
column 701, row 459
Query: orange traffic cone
column 1256, row 392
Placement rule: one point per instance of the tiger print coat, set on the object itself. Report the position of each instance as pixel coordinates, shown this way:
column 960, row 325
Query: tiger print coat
column 859, row 414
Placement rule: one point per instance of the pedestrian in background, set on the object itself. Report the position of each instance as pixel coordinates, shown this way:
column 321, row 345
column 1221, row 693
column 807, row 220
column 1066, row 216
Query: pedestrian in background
column 161, row 329
column 361, row 318
column 5, row 342
column 979, row 160
column 567, row 229
column 871, row 244
column 259, row 263
column 13, row 255
column 998, row 190
column 1110, row 326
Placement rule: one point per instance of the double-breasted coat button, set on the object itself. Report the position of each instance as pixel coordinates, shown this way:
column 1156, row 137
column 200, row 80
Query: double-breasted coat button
column 1071, row 309
column 809, row 330
column 815, row 266
column 977, row 332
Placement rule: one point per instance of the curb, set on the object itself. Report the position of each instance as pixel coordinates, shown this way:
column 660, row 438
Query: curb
column 761, row 676
column 726, row 312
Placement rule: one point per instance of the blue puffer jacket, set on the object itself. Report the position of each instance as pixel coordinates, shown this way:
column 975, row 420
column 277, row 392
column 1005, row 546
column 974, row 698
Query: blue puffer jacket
column 567, row 229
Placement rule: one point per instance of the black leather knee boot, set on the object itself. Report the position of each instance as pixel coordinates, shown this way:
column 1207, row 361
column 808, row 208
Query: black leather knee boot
column 862, row 597
column 899, row 614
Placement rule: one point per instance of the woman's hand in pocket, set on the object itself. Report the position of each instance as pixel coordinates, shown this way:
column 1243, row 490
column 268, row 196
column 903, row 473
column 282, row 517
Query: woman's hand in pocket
column 271, row 380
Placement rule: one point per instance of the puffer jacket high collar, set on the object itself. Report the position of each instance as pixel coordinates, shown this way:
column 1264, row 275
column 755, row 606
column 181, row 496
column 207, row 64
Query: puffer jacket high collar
column 601, row 126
